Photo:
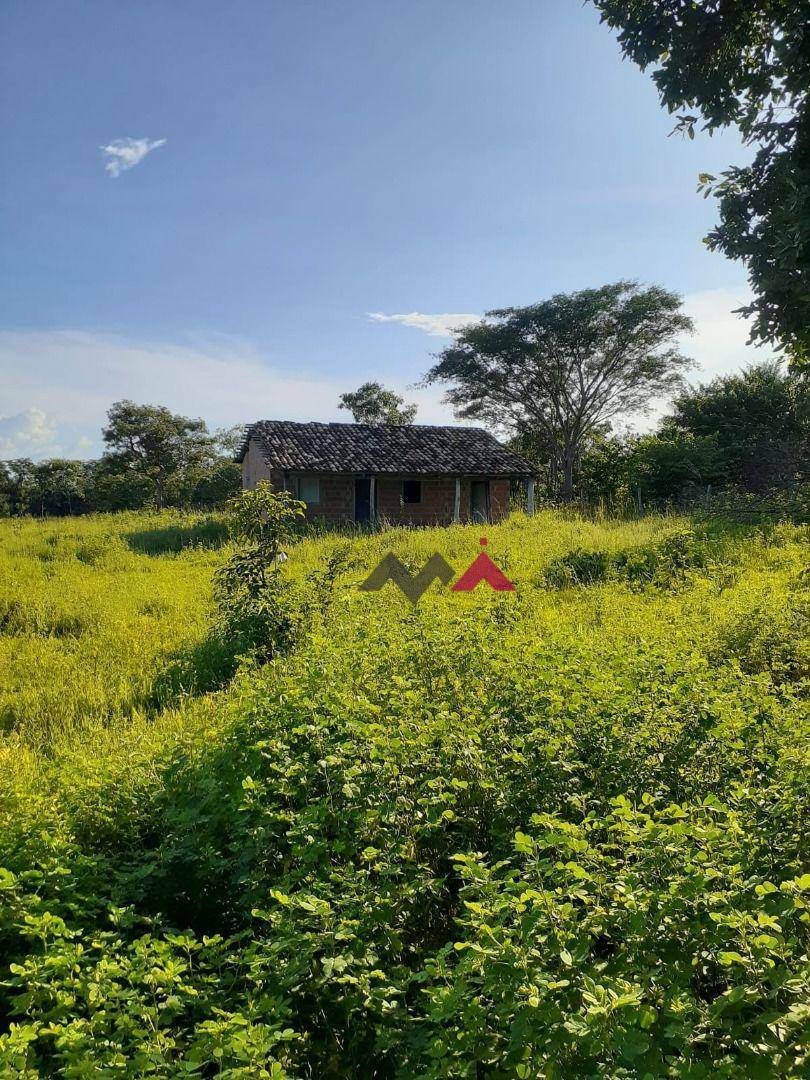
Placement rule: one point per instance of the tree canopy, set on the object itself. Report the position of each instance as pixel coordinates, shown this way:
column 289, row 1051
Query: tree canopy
column 154, row 443
column 759, row 421
column 567, row 366
column 747, row 63
column 371, row 403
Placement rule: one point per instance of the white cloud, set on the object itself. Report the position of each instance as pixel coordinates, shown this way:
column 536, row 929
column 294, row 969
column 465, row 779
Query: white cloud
column 433, row 325
column 30, row 433
column 58, row 385
column 719, row 344
column 72, row 378
column 123, row 154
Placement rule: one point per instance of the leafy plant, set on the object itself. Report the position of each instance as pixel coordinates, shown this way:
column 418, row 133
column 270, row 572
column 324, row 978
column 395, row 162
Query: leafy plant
column 248, row 588
column 553, row 833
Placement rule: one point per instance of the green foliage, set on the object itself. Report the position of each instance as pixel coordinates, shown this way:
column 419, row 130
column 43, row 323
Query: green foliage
column 666, row 563
column 674, row 466
column 556, row 967
column 371, row 403
column 55, row 487
column 550, row 833
column 135, row 1001
column 742, row 62
column 755, row 427
column 209, row 485
column 560, row 370
column 748, row 432
column 249, row 589
column 603, row 471
column 154, row 444
column 16, row 485
column 113, row 487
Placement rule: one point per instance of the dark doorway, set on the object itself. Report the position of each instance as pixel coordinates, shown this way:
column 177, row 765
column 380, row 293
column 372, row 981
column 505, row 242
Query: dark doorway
column 479, row 500
column 362, row 499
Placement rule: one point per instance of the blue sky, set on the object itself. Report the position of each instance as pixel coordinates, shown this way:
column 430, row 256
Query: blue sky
column 322, row 163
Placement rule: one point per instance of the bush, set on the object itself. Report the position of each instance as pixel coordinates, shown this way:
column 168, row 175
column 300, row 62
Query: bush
column 666, row 563
column 249, row 590
column 534, row 834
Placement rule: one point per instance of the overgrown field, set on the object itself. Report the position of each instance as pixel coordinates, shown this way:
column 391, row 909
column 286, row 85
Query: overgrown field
column 560, row 832
column 102, row 618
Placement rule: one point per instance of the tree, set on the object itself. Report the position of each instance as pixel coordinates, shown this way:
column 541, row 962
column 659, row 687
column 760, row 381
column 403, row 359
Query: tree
column 673, row 466
column 155, row 444
column 536, row 446
column 249, row 589
column 229, row 440
column 760, row 421
column 742, row 62
column 112, row 486
column 16, row 477
column 567, row 366
column 603, row 470
column 373, row 404
column 210, row 484
column 58, row 486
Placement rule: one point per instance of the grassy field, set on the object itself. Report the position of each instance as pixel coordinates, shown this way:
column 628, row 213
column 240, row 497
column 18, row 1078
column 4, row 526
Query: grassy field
column 100, row 618
column 559, row 832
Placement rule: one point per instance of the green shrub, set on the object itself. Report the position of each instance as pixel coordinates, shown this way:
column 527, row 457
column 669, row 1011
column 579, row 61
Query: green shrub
column 665, row 563
column 579, row 567
column 249, row 589
column 531, row 834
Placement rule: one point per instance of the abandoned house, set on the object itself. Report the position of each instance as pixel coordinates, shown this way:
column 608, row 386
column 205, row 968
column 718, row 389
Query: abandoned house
column 410, row 475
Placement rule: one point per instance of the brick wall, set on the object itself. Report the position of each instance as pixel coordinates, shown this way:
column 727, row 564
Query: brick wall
column 337, row 495
column 436, row 506
column 336, row 499
column 499, row 499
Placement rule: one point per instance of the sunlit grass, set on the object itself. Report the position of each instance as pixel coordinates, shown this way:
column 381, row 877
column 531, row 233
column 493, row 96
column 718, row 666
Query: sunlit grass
column 390, row 789
column 94, row 611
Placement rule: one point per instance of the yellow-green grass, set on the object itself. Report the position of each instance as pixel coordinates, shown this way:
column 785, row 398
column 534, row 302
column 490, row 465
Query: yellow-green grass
column 752, row 584
column 333, row 805
column 107, row 655
column 100, row 618
column 107, row 619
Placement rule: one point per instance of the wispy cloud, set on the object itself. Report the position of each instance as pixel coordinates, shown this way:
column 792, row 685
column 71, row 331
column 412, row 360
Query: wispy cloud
column 58, row 385
column 719, row 345
column 123, row 154
column 434, row 325
column 70, row 378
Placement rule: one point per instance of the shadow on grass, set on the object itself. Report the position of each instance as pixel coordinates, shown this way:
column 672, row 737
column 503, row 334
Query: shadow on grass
column 172, row 539
column 200, row 669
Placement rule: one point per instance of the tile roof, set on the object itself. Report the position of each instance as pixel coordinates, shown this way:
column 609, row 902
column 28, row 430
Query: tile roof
column 383, row 448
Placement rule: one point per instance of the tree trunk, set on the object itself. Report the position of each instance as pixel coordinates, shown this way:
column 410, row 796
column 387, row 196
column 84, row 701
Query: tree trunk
column 567, row 492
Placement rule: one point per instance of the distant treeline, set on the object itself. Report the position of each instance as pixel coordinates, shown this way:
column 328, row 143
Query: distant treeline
column 748, row 432
column 153, row 459
column 59, row 487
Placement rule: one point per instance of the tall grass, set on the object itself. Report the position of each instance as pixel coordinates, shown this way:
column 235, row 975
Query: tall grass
column 555, row 832
column 102, row 618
